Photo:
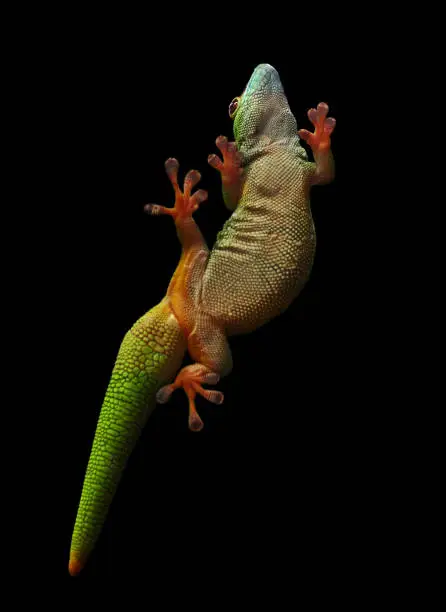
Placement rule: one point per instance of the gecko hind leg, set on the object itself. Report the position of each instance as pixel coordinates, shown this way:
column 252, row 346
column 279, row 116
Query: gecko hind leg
column 191, row 379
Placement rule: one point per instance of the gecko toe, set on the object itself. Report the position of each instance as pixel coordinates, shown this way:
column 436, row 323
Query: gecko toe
column 195, row 423
column 163, row 394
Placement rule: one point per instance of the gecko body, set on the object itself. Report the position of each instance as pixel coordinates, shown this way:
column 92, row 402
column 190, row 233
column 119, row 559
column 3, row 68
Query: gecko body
column 261, row 260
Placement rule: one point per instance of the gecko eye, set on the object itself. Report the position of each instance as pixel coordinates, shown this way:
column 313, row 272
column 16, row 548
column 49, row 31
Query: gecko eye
column 233, row 107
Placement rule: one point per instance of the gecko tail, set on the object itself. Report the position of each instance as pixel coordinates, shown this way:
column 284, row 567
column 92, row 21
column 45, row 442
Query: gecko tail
column 150, row 354
column 74, row 566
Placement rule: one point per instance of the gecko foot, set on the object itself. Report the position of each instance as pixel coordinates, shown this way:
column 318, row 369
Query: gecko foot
column 319, row 141
column 230, row 169
column 190, row 378
column 185, row 203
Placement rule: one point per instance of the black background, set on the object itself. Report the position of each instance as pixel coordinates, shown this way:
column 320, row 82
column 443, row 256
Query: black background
column 280, row 466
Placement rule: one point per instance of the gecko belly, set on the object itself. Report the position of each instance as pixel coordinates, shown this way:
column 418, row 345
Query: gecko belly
column 250, row 281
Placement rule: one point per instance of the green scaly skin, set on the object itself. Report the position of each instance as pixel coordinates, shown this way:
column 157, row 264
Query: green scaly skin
column 150, row 354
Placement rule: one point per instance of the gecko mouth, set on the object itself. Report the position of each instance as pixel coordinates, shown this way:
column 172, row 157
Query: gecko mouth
column 262, row 100
column 265, row 79
column 264, row 82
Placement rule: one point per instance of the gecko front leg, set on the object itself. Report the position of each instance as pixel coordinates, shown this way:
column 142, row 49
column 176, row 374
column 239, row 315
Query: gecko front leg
column 230, row 170
column 320, row 144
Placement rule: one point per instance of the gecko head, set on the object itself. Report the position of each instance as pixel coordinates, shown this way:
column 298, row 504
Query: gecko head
column 262, row 113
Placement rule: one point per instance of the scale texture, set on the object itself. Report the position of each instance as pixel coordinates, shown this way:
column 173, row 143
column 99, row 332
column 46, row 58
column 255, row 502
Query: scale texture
column 144, row 362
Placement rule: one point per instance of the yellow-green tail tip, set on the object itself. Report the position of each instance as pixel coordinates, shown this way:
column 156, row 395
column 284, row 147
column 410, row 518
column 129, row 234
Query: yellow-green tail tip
column 75, row 566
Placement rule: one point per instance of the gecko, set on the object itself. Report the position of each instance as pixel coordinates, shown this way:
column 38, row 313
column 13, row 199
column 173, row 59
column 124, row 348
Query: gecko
column 261, row 260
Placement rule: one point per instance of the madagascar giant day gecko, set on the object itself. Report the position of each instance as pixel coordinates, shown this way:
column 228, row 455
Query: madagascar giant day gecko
column 261, row 260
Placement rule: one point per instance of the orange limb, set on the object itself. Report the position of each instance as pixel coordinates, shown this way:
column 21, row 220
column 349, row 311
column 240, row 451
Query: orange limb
column 320, row 143
column 191, row 379
column 206, row 342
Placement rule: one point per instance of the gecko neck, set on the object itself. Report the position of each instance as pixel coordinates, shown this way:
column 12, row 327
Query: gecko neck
column 253, row 149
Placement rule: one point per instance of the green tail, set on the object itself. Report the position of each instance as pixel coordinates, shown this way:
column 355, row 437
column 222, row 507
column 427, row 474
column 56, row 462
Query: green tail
column 150, row 354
